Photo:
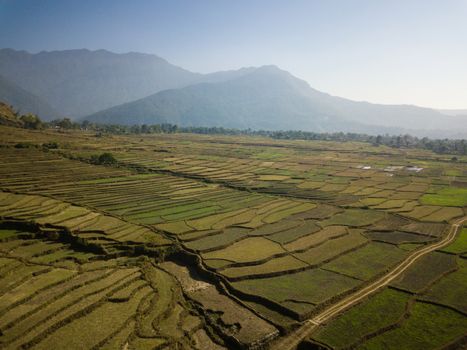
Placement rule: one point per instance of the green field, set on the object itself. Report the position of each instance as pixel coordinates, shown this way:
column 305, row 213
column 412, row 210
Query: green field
column 382, row 310
column 224, row 242
column 451, row 196
column 368, row 261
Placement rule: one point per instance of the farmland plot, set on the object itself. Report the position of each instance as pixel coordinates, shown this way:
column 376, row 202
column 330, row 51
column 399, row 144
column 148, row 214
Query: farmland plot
column 276, row 228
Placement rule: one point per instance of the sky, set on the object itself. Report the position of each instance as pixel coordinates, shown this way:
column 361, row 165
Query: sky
column 391, row 51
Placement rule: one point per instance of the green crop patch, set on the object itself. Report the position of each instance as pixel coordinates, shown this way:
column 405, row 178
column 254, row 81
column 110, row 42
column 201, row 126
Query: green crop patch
column 333, row 248
column 381, row 310
column 247, row 250
column 421, row 330
column 459, row 246
column 368, row 261
column 397, row 237
column 444, row 214
column 315, row 239
column 354, row 217
column 226, row 238
column 307, row 228
column 425, row 272
column 449, row 196
column 277, row 227
column 450, row 290
column 275, row 266
column 424, row 228
column 310, row 286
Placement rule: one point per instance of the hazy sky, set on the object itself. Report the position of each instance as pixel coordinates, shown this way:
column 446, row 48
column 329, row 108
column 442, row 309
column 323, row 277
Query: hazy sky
column 392, row 51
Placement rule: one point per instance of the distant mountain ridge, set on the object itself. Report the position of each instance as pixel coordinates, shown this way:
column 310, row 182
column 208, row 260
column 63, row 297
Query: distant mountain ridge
column 272, row 99
column 25, row 102
column 141, row 88
column 80, row 82
column 454, row 112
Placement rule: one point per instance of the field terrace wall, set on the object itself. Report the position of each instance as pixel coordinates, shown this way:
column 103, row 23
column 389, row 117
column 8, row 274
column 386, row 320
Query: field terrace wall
column 54, row 294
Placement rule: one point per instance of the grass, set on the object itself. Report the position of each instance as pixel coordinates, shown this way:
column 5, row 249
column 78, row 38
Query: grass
column 279, row 215
column 292, row 234
column 354, row 217
column 459, row 246
column 449, row 196
column 208, row 222
column 282, row 264
column 322, row 211
column 380, row 310
column 69, row 213
column 425, row 271
column 162, row 302
column 422, row 330
column 450, row 290
column 368, row 261
column 6, row 234
column 332, row 248
column 218, row 240
column 397, row 237
column 317, row 238
column 425, row 228
column 422, row 211
column 311, row 286
column 104, row 320
column 35, row 249
column 277, row 227
column 444, row 214
column 244, row 324
column 273, row 177
column 34, row 285
column 247, row 250
column 68, row 305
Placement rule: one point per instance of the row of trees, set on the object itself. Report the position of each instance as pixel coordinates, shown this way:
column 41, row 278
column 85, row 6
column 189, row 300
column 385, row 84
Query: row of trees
column 446, row 146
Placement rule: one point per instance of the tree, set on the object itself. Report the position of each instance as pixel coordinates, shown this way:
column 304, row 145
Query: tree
column 103, row 159
column 65, row 123
column 31, row 121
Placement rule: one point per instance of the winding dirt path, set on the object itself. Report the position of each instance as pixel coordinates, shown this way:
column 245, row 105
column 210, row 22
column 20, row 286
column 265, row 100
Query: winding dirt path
column 292, row 340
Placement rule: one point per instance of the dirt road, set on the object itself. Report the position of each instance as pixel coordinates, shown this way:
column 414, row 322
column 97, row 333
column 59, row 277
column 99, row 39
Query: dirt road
column 291, row 341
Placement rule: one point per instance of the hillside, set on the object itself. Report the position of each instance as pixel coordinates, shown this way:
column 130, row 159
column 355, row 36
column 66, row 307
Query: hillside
column 454, row 112
column 140, row 88
column 8, row 116
column 270, row 98
column 25, row 102
column 80, row 82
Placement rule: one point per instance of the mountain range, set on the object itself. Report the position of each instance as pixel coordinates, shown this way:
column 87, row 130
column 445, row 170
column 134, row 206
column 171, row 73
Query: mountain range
column 135, row 88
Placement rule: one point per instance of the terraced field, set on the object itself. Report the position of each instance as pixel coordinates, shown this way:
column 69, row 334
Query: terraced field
column 219, row 242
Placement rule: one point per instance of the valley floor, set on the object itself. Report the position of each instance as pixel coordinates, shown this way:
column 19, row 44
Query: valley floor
column 211, row 242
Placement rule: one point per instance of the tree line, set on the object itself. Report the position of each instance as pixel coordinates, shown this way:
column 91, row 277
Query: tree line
column 442, row 146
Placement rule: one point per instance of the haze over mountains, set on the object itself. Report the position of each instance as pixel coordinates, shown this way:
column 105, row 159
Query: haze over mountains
column 137, row 88
column 24, row 101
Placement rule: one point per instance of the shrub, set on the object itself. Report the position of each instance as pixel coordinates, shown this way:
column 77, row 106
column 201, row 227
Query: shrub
column 24, row 145
column 105, row 158
column 50, row 145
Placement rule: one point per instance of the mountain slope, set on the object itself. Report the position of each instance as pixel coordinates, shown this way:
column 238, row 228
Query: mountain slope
column 454, row 112
column 25, row 102
column 265, row 98
column 80, row 82
column 269, row 98
column 8, row 116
